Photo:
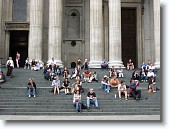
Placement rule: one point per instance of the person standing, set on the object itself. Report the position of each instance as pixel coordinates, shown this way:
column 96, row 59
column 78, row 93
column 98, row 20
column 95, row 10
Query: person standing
column 10, row 66
column 17, row 59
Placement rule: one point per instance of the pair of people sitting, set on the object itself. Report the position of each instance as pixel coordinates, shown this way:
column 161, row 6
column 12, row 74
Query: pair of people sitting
column 91, row 99
column 134, row 92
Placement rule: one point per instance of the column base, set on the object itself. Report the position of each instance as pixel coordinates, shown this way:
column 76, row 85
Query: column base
column 116, row 64
column 95, row 64
column 157, row 65
column 58, row 63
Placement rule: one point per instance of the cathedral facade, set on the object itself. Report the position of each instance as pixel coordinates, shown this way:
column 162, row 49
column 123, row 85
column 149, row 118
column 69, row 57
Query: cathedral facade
column 115, row 30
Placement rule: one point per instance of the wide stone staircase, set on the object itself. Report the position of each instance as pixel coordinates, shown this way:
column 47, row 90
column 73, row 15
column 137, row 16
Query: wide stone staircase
column 14, row 100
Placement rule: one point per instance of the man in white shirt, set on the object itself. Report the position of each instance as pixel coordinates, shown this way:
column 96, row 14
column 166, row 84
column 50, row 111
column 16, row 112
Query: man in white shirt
column 51, row 62
column 122, row 89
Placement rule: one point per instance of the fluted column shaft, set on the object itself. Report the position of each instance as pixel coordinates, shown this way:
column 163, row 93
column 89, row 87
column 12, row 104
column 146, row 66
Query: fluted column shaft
column 36, row 24
column 156, row 9
column 115, row 53
column 96, row 33
column 55, row 31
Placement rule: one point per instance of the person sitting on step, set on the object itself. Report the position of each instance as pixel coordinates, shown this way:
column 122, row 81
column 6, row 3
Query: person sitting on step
column 133, row 89
column 65, row 73
column 77, row 101
column 92, row 99
column 85, row 65
column 27, row 63
column 135, row 75
column 152, row 84
column 143, row 75
column 130, row 65
column 56, row 85
column 120, row 72
column 105, row 84
column 114, row 82
column 66, row 85
column 77, row 85
column 86, row 75
column 104, row 64
column 75, row 73
column 112, row 72
column 31, row 87
column 122, row 89
column 94, row 77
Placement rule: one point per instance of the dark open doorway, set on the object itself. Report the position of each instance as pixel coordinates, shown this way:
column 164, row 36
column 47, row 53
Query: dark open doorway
column 19, row 42
column 129, row 34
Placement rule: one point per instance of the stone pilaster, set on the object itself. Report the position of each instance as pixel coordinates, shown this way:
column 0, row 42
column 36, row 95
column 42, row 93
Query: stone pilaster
column 35, row 34
column 96, row 33
column 156, row 9
column 2, row 42
column 115, row 53
column 1, row 24
column 55, row 31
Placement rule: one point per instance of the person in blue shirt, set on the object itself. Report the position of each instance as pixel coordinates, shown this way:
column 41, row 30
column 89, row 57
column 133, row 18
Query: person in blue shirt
column 133, row 89
column 104, row 64
column 143, row 66
column 2, row 77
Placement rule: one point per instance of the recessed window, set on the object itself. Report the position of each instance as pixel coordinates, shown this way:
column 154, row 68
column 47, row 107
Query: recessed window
column 73, row 14
column 73, row 43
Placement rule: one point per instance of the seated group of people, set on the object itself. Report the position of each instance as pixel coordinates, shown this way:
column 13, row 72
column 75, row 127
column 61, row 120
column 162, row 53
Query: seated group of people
column 33, row 65
column 52, row 72
column 118, row 72
column 121, row 87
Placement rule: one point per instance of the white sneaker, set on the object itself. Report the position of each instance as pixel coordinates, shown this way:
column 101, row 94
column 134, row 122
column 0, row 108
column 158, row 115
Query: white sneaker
column 29, row 96
column 34, row 96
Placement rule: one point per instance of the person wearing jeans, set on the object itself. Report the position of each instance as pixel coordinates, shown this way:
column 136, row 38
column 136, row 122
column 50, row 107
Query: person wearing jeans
column 77, row 101
column 133, row 90
column 105, row 84
column 92, row 99
column 31, row 87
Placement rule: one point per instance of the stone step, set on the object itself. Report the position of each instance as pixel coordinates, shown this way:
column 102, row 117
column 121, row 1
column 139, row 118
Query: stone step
column 85, row 113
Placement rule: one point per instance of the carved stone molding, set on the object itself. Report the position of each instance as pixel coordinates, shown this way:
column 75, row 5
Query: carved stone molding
column 16, row 26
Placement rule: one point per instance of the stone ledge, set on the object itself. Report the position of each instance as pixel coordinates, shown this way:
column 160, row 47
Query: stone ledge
column 112, row 118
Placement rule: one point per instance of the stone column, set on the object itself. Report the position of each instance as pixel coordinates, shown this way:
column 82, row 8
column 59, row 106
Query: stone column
column 1, row 19
column 115, row 53
column 106, row 31
column 35, row 34
column 156, row 10
column 55, row 31
column 96, row 33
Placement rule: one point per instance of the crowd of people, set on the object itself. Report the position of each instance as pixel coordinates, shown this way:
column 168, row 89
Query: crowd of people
column 81, row 74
